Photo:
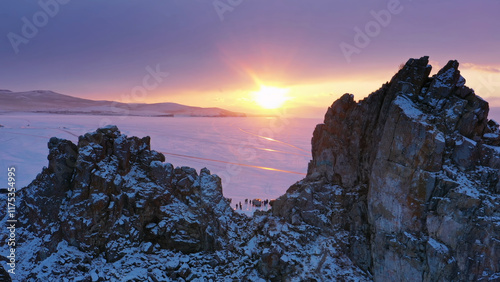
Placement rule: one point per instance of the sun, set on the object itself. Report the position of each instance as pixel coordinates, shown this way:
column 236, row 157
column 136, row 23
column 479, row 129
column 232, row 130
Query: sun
column 270, row 97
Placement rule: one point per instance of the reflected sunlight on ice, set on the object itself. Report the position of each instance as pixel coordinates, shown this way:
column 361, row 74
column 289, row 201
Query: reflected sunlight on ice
column 255, row 157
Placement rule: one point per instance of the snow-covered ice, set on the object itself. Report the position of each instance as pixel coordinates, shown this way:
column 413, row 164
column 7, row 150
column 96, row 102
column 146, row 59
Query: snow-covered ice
column 255, row 157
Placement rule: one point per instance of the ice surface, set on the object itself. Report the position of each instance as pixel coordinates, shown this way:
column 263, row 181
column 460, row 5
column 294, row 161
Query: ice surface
column 242, row 151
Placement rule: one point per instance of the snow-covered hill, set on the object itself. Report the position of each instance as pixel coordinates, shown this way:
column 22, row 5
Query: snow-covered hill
column 44, row 101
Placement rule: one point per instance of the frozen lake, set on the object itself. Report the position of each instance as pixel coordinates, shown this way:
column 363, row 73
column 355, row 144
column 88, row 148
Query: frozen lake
column 255, row 157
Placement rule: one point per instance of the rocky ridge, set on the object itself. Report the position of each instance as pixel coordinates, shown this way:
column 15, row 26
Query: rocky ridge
column 110, row 209
column 417, row 167
column 403, row 185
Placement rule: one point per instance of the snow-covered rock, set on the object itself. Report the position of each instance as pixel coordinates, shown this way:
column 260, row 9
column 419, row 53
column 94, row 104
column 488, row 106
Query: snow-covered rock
column 417, row 168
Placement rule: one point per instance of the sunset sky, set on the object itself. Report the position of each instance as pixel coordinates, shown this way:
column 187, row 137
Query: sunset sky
column 220, row 53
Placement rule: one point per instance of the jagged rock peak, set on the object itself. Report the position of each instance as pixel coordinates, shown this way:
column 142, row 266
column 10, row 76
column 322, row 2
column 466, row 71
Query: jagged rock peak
column 112, row 192
column 442, row 101
column 412, row 173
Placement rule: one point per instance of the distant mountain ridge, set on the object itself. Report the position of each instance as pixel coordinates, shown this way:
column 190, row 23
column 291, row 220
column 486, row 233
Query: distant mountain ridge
column 45, row 101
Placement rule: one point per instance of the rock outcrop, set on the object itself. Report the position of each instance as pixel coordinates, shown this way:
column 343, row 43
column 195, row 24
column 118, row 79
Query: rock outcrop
column 110, row 193
column 416, row 174
column 110, row 208
column 403, row 186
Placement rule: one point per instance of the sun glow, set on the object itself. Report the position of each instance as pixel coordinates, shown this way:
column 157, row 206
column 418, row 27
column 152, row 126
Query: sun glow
column 270, row 97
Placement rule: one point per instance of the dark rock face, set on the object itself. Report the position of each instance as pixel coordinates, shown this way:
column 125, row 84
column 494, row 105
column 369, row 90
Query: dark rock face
column 112, row 192
column 4, row 275
column 418, row 168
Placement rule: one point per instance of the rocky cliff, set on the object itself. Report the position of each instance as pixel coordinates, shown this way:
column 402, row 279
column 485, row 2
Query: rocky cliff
column 416, row 167
column 403, row 186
